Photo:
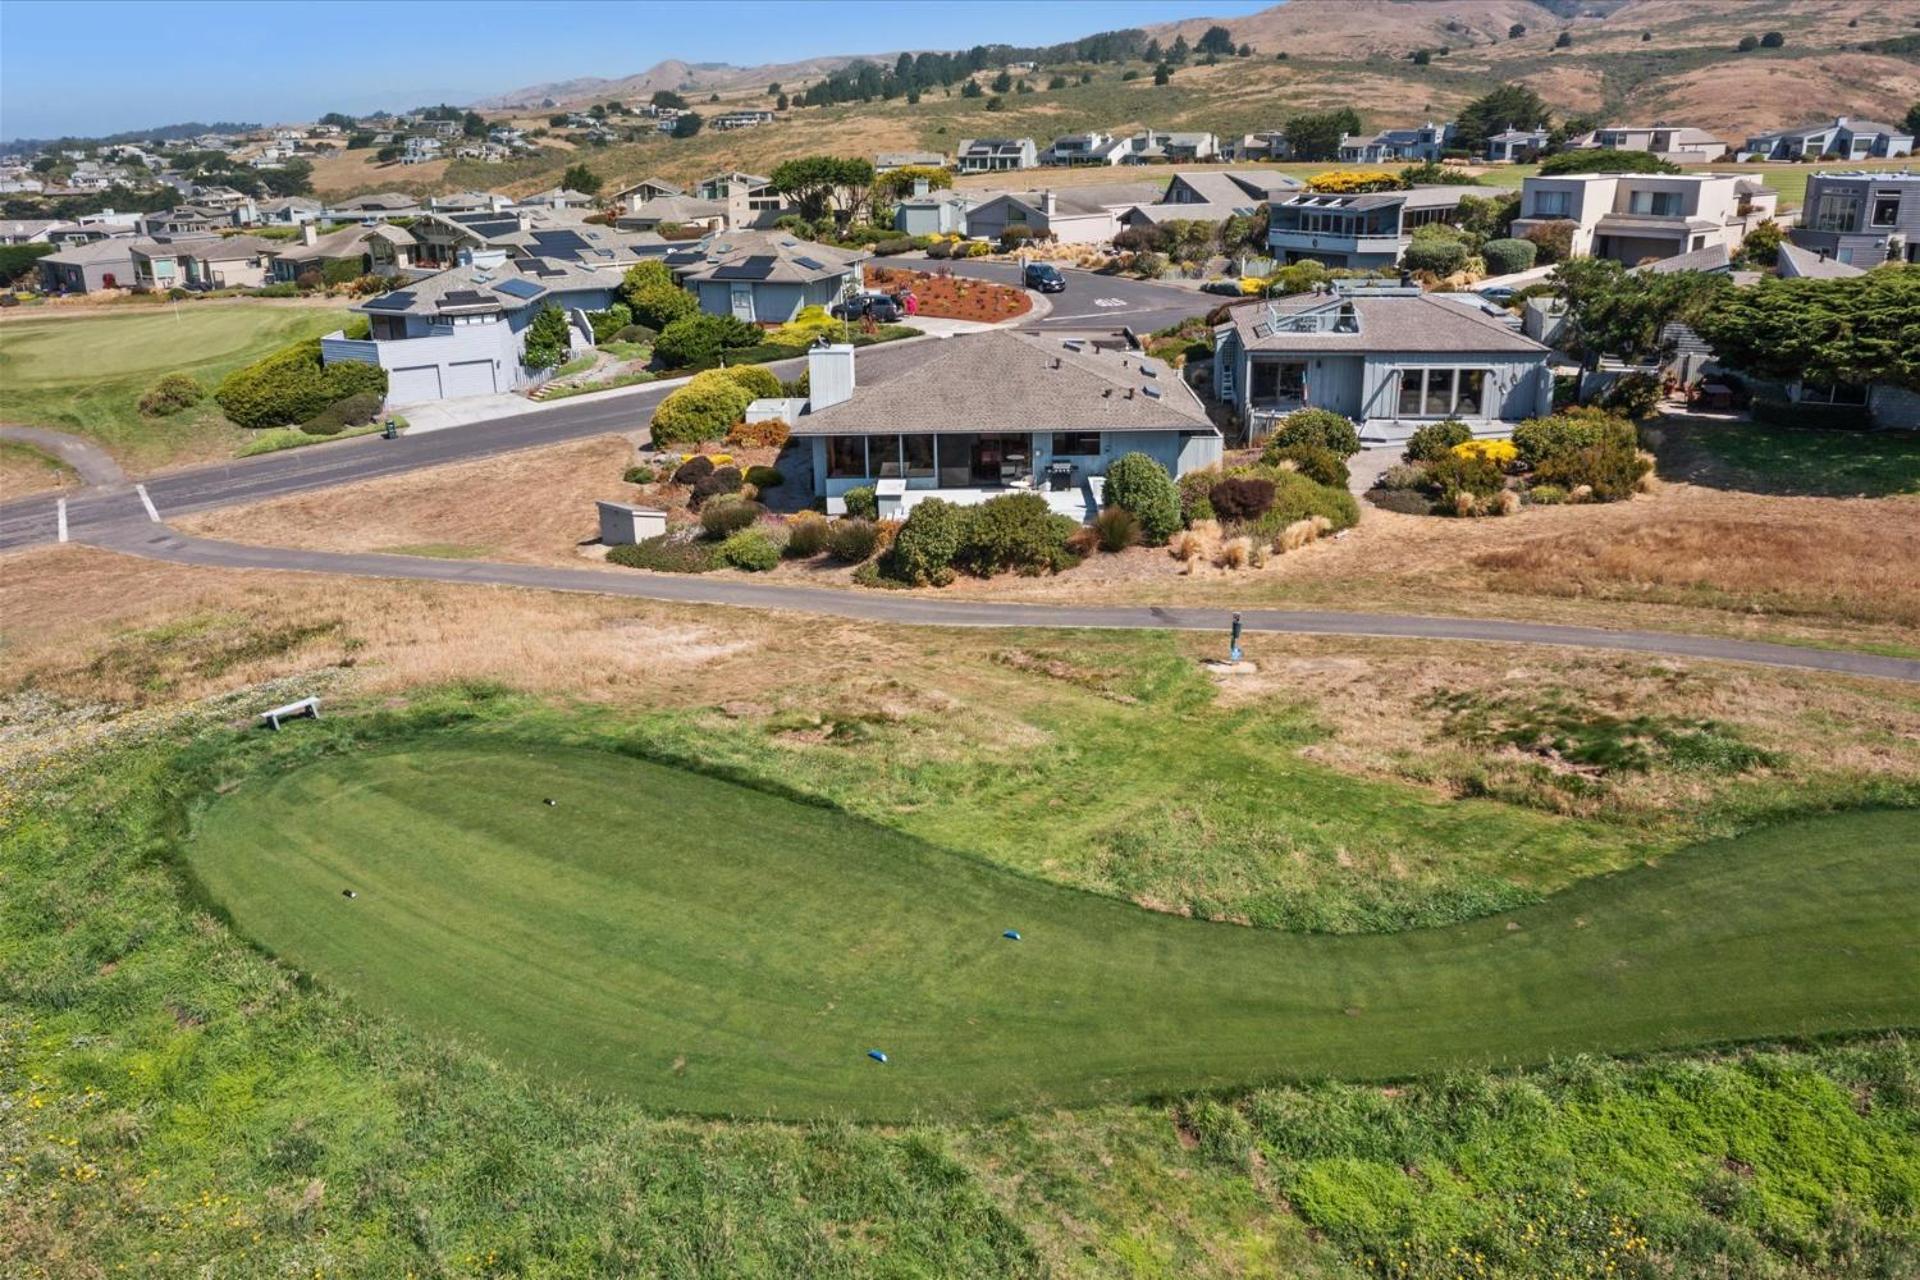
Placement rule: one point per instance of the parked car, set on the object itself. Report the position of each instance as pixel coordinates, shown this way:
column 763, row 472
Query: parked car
column 1045, row 277
column 1499, row 294
column 881, row 307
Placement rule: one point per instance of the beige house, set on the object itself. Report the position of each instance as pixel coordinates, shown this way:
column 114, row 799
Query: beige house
column 1672, row 143
column 1633, row 217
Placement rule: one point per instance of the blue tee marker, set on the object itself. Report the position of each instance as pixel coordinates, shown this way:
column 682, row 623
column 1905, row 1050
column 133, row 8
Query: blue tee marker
column 876, row 1055
column 1014, row 934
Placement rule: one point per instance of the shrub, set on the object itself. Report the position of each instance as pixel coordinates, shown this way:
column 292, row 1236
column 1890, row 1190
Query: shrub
column 764, row 478
column 852, row 541
column 1019, row 532
column 719, row 518
column 705, row 409
column 1321, row 427
column 357, row 409
column 1441, row 257
column 1547, row 495
column 1196, row 495
column 174, row 392
column 292, row 385
column 1402, row 476
column 720, row 480
column 750, row 550
column 769, row 433
column 608, row 324
column 1608, row 470
column 1139, row 485
column 861, row 503
column 1505, row 257
column 760, row 382
column 806, row 536
column 698, row 339
column 1317, row 463
column 1501, row 453
column 638, row 475
column 1296, row 497
column 1542, row 440
column 1436, row 440
column 924, row 550
column 1115, row 529
column 1460, row 473
column 637, row 333
column 1633, row 395
column 693, row 470
column 1242, row 497
column 653, row 297
column 1553, row 241
column 549, row 339
column 668, row 553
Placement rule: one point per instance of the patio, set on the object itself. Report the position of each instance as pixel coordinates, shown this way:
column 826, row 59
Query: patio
column 1081, row 502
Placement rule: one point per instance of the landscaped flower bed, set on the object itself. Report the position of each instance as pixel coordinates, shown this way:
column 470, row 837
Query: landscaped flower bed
column 946, row 296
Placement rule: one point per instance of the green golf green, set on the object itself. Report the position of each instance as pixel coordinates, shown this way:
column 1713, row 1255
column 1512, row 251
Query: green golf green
column 711, row 948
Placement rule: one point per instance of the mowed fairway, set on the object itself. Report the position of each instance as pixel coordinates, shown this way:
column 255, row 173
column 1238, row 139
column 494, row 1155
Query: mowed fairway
column 86, row 374
column 710, row 948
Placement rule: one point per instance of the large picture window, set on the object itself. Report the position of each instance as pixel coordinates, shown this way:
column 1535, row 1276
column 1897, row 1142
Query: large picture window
column 1441, row 393
column 846, row 457
column 1076, row 444
column 1836, row 211
column 883, row 456
column 919, row 452
column 1886, row 209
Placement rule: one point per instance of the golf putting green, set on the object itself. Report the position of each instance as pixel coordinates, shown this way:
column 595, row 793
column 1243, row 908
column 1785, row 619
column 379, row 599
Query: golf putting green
column 709, row 948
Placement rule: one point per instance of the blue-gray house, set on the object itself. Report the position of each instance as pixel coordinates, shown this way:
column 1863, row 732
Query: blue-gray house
column 765, row 277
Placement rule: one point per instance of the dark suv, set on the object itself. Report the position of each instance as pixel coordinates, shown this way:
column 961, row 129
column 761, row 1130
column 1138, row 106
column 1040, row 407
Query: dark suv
column 881, row 307
column 1045, row 277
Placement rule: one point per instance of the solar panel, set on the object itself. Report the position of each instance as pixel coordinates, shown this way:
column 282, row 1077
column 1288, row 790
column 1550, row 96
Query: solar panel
column 757, row 267
column 520, row 288
column 811, row 264
column 465, row 298
column 391, row 302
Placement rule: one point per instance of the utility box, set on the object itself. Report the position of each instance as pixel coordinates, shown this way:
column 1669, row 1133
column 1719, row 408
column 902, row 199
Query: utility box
column 622, row 524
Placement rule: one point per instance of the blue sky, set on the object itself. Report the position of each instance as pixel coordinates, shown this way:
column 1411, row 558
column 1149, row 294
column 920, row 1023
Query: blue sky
column 101, row 66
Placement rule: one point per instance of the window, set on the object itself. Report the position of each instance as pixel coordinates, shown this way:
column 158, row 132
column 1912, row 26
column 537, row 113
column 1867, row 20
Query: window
column 1658, row 204
column 1886, row 209
column 1076, row 444
column 846, row 457
column 1410, row 392
column 883, row 456
column 1836, row 211
column 1439, row 392
column 1836, row 393
column 919, row 451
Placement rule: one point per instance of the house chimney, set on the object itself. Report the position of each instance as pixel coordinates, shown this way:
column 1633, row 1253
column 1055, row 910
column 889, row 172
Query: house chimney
column 1047, row 202
column 920, row 187
column 829, row 375
column 309, row 234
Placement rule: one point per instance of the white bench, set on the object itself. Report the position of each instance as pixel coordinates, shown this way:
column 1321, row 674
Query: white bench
column 304, row 707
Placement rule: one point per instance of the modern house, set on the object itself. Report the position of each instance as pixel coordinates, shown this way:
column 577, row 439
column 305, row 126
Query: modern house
column 1156, row 146
column 1844, row 139
column 101, row 264
column 420, row 150
column 1675, row 144
column 997, row 412
column 1862, row 218
column 463, row 332
column 727, row 121
column 746, row 199
column 765, row 277
column 376, row 249
column 1631, row 217
column 1270, row 144
column 631, row 198
column 926, row 212
column 184, row 219
column 995, row 155
column 1517, row 145
column 1795, row 263
column 558, row 198
column 1212, row 196
column 286, row 211
column 1390, row 357
column 888, row 161
column 1363, row 231
column 380, row 204
column 1420, row 143
column 28, row 230
column 1073, row 215
column 1087, row 149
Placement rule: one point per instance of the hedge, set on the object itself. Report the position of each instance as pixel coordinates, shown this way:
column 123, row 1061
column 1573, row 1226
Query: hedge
column 1505, row 257
column 702, row 410
column 359, row 408
column 292, row 386
column 699, row 339
column 1441, row 257
column 1322, row 427
column 1139, row 485
column 1018, row 532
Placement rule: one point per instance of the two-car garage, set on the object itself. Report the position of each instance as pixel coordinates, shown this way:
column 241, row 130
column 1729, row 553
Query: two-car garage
column 415, row 383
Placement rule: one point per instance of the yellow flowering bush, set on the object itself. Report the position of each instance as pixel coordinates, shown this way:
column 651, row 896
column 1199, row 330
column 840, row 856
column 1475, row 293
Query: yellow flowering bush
column 1499, row 452
column 1347, row 182
column 1253, row 286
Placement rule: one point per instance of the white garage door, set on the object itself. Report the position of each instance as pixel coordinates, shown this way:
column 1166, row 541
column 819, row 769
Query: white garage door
column 411, row 386
column 470, row 378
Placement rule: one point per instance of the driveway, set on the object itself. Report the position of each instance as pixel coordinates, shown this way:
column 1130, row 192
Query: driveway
column 1100, row 303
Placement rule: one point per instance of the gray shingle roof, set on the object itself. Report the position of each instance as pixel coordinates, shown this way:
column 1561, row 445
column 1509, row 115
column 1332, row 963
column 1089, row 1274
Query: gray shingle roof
column 789, row 260
column 1387, row 324
column 1006, row 381
column 1712, row 258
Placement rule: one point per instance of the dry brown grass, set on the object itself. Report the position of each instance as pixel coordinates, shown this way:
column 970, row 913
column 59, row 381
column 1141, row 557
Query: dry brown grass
column 531, row 507
column 25, row 471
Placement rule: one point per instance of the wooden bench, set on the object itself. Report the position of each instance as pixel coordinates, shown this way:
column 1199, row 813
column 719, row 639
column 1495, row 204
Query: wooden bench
column 304, row 707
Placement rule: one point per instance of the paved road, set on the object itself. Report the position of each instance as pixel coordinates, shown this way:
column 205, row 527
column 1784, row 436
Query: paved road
column 157, row 542
column 1138, row 304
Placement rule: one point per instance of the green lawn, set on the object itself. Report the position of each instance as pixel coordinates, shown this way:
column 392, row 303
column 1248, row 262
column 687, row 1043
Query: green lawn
column 86, row 375
column 1794, row 460
column 710, row 948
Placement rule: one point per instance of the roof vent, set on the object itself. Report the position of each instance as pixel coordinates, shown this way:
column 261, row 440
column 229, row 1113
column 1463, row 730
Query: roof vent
column 1074, row 344
column 1153, row 393
column 1149, row 370
column 1129, row 393
column 1106, row 393
column 1056, row 362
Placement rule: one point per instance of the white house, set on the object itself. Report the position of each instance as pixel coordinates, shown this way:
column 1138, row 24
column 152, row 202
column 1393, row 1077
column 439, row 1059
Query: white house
column 1631, row 217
